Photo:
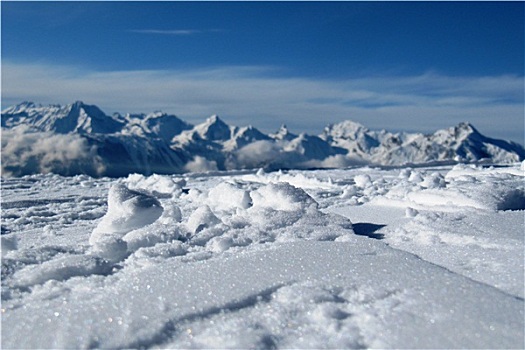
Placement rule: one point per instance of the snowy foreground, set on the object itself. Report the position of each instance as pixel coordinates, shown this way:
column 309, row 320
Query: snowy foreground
column 354, row 258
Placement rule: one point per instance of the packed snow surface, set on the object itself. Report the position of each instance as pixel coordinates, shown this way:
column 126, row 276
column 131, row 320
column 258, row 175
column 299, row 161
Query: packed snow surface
column 428, row 257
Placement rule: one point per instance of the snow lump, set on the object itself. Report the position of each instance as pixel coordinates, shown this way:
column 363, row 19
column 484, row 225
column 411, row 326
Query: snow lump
column 127, row 210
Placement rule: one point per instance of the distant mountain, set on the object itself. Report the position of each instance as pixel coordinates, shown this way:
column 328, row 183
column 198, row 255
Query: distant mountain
column 156, row 124
column 80, row 138
column 462, row 143
column 77, row 117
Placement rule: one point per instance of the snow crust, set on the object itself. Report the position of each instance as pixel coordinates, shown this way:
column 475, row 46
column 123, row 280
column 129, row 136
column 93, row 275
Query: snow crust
column 428, row 257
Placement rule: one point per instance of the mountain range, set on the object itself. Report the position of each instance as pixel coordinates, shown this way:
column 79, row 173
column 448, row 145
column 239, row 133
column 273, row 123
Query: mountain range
column 81, row 139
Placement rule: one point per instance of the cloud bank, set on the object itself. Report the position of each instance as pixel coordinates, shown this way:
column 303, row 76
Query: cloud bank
column 265, row 98
column 25, row 151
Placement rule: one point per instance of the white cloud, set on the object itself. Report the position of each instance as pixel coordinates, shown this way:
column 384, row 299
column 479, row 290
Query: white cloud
column 200, row 164
column 256, row 154
column 265, row 99
column 25, row 151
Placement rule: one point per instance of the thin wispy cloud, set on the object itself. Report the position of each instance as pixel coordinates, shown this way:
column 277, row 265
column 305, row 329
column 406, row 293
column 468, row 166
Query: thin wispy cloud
column 175, row 32
column 255, row 95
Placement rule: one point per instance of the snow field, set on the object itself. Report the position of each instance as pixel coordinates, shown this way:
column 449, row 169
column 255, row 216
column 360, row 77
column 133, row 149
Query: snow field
column 471, row 223
column 350, row 258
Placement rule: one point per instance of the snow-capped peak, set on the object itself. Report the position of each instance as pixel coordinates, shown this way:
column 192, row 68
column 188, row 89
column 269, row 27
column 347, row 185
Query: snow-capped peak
column 76, row 117
column 214, row 129
column 214, row 119
column 283, row 134
column 163, row 143
column 78, row 104
column 347, row 129
column 19, row 108
column 166, row 126
column 465, row 129
column 85, row 118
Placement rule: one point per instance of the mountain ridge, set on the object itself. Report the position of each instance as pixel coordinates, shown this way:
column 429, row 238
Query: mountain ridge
column 162, row 143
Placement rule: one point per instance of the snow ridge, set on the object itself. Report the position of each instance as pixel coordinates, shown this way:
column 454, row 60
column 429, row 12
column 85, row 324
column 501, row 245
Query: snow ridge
column 119, row 145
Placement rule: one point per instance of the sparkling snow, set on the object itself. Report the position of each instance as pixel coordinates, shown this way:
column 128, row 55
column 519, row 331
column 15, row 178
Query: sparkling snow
column 351, row 258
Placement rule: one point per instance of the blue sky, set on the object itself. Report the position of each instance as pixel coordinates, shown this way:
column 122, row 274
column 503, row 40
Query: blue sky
column 400, row 66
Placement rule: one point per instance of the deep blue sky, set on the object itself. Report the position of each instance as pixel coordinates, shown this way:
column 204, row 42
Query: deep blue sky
column 274, row 43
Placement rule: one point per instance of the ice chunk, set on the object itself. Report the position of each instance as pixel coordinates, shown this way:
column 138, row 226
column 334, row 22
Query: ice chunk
column 127, row 210
column 220, row 244
column 405, row 173
column 160, row 185
column 434, row 180
column 202, row 218
column 411, row 212
column 282, row 196
column 228, row 196
column 171, row 214
column 362, row 180
column 415, row 177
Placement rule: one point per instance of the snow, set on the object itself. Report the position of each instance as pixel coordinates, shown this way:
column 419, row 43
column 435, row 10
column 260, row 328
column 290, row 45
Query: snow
column 427, row 257
column 97, row 144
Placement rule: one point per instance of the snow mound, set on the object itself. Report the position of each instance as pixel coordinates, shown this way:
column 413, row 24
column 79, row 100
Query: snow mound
column 292, row 214
column 228, row 196
column 282, row 197
column 127, row 210
column 295, row 179
column 61, row 269
column 202, row 218
column 362, row 180
column 231, row 213
column 237, row 214
column 463, row 186
column 111, row 248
